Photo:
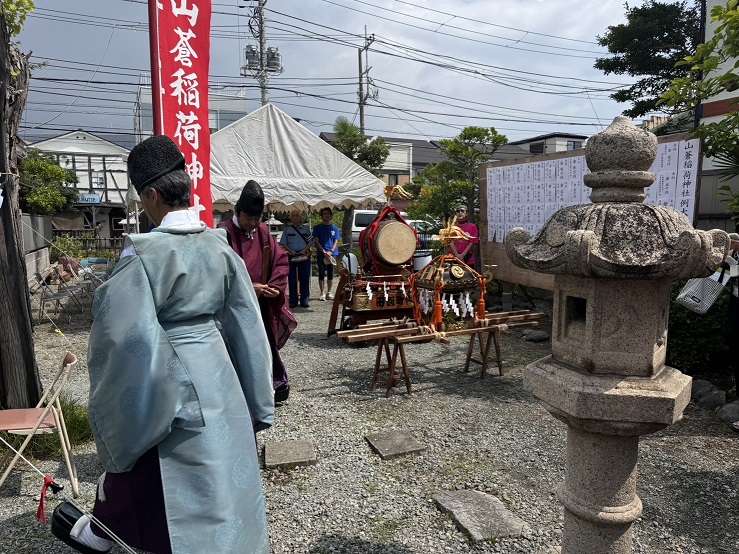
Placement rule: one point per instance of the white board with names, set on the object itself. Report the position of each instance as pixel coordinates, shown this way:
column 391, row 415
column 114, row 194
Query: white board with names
column 528, row 194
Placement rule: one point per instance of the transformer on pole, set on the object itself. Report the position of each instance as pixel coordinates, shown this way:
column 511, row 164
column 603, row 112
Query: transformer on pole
column 260, row 61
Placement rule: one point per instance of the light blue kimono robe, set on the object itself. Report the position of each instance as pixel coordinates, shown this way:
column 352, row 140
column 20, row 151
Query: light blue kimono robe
column 161, row 373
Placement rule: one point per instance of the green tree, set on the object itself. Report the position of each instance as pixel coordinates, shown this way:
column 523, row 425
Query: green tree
column 20, row 386
column 712, row 70
column 438, row 190
column 465, row 152
column 370, row 154
column 654, row 38
column 49, row 187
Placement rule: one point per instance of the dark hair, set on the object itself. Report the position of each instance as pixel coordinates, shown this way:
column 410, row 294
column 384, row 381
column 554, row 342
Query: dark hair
column 329, row 210
column 174, row 188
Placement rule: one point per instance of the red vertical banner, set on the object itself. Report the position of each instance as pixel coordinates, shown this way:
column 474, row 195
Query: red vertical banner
column 180, row 31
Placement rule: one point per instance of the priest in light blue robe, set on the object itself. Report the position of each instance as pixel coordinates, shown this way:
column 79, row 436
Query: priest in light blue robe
column 180, row 377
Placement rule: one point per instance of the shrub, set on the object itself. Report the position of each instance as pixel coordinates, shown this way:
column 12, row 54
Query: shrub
column 78, row 248
column 698, row 343
column 66, row 246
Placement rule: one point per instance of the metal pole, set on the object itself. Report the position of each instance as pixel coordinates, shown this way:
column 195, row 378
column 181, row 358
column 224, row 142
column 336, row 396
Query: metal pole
column 156, row 99
column 262, row 54
column 361, row 94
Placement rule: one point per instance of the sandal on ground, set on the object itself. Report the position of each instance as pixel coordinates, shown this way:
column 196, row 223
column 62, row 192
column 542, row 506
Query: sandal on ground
column 64, row 523
column 281, row 393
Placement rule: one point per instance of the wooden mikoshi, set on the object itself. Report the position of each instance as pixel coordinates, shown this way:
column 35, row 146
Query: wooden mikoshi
column 444, row 295
column 380, row 288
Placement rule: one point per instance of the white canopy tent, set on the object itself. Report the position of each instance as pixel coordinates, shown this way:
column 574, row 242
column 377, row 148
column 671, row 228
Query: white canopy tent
column 295, row 168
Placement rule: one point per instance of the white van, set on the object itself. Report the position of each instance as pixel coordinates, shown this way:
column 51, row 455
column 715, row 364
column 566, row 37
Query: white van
column 362, row 218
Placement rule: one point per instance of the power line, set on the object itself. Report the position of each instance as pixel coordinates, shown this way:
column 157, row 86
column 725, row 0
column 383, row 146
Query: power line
column 457, row 16
column 441, row 24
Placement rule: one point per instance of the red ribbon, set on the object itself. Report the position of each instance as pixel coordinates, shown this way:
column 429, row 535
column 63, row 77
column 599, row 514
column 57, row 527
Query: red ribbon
column 41, row 512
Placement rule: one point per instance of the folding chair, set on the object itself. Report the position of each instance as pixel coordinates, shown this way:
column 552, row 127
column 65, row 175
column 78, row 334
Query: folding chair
column 46, row 417
column 93, row 279
column 48, row 295
column 72, row 288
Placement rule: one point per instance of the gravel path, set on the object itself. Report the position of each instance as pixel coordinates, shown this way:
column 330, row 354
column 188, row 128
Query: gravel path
column 487, row 435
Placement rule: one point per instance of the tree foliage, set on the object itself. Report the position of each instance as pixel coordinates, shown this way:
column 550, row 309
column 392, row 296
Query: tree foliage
column 711, row 70
column 439, row 188
column 15, row 12
column 370, row 154
column 655, row 37
column 49, row 188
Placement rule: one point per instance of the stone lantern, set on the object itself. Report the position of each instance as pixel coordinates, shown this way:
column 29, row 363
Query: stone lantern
column 613, row 261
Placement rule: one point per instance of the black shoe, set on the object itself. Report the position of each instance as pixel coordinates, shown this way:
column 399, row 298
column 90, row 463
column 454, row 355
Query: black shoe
column 62, row 520
column 281, row 393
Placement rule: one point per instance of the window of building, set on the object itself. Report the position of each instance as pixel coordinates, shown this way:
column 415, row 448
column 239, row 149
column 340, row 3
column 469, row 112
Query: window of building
column 97, row 179
column 392, row 179
column 536, row 148
column 574, row 144
column 213, row 120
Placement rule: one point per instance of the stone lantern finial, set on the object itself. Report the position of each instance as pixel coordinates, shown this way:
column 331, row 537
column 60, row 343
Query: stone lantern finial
column 619, row 159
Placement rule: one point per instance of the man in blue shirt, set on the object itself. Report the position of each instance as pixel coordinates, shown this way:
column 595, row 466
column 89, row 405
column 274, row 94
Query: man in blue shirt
column 327, row 236
column 297, row 242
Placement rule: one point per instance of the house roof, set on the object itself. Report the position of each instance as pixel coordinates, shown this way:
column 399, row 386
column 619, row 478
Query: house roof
column 548, row 136
column 428, row 152
column 81, row 141
column 424, row 152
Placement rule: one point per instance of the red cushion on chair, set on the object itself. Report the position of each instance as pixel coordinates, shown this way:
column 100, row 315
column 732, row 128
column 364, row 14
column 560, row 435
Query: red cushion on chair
column 15, row 421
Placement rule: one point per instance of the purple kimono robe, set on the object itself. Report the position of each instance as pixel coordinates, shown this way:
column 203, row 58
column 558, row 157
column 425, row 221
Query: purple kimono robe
column 279, row 322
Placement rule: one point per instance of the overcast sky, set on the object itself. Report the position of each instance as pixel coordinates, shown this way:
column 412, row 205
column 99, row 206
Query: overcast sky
column 524, row 67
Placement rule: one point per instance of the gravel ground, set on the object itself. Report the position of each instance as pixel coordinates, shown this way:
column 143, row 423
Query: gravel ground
column 488, row 435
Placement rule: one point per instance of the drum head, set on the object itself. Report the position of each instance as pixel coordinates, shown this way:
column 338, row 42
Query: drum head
column 395, row 243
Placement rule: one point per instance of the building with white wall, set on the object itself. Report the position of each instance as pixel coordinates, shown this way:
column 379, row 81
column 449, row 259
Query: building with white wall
column 100, row 167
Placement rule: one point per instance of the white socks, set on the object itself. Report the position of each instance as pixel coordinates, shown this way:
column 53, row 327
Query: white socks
column 88, row 538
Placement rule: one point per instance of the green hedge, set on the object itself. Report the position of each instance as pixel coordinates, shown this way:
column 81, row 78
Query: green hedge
column 697, row 343
column 69, row 246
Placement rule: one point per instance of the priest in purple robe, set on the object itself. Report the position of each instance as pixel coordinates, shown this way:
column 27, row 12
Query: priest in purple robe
column 268, row 267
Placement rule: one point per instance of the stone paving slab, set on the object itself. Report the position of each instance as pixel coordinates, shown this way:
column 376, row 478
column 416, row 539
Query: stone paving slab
column 480, row 515
column 287, row 454
column 391, row 444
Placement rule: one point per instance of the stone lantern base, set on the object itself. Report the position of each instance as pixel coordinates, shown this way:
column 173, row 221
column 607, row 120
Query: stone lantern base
column 605, row 415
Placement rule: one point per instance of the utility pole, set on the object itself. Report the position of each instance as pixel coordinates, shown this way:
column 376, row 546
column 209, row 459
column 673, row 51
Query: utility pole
column 363, row 96
column 262, row 54
column 260, row 61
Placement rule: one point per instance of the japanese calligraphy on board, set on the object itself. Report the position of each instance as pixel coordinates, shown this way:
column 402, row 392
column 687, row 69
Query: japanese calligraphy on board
column 527, row 194
column 182, row 30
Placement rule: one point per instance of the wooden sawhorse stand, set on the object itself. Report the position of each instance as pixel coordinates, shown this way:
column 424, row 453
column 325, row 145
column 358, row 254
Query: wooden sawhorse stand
column 402, row 332
column 392, row 360
column 492, row 338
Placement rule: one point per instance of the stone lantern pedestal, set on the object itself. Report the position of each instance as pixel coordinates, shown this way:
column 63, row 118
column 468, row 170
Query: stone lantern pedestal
column 614, row 261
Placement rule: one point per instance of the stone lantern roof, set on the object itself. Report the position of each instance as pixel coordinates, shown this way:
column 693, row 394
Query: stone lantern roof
column 617, row 236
